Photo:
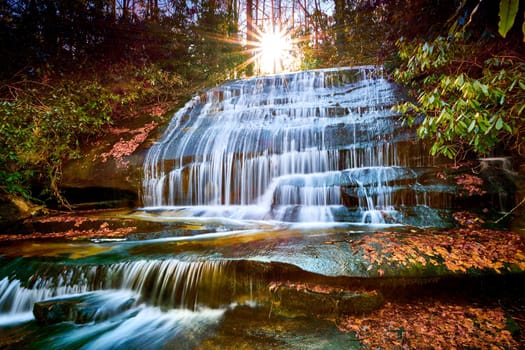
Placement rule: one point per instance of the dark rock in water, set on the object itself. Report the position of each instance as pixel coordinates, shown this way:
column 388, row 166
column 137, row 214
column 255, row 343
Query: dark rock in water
column 81, row 308
column 301, row 300
column 56, row 311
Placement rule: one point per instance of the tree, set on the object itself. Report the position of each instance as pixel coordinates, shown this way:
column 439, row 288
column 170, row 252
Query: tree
column 54, row 97
column 469, row 88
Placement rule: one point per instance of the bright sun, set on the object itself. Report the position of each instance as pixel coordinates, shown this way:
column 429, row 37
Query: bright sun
column 275, row 51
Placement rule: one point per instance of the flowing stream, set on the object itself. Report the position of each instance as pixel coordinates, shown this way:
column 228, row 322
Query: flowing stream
column 256, row 164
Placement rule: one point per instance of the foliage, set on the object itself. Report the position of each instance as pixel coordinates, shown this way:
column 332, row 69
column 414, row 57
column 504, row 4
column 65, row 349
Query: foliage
column 365, row 32
column 364, row 36
column 213, row 61
column 71, row 68
column 470, row 99
column 215, row 52
column 315, row 57
column 43, row 125
column 38, row 32
column 142, row 86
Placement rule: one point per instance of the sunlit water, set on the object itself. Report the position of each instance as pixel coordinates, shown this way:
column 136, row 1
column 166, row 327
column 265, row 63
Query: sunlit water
column 263, row 171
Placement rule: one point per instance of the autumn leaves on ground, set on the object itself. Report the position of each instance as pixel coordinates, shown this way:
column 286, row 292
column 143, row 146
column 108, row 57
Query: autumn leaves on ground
column 429, row 324
column 462, row 250
column 432, row 323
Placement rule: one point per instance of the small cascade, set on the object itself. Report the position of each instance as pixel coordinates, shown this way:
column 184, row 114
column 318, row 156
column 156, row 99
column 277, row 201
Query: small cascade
column 130, row 305
column 170, row 284
column 310, row 146
column 174, row 283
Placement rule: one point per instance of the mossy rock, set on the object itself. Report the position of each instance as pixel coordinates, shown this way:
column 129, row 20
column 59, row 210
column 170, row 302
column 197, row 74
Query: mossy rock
column 293, row 301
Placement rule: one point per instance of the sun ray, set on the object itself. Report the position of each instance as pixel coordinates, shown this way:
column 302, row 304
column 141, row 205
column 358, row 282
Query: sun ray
column 270, row 50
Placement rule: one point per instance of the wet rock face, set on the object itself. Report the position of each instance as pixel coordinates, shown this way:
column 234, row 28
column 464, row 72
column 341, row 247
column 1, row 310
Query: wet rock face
column 110, row 172
column 293, row 300
column 91, row 183
column 501, row 182
column 311, row 146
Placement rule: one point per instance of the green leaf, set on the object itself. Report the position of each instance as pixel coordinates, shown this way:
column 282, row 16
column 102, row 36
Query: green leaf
column 471, row 126
column 507, row 14
column 485, row 89
column 499, row 124
column 512, row 85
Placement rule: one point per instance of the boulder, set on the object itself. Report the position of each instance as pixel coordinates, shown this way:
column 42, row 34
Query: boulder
column 299, row 300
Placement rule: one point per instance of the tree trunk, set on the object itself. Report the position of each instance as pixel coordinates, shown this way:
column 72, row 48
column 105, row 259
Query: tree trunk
column 125, row 9
column 114, row 10
column 155, row 10
column 279, row 15
column 272, row 15
column 249, row 23
column 292, row 21
column 339, row 18
column 256, row 20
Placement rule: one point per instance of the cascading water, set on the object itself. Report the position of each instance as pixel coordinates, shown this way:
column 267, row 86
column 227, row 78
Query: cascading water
column 135, row 304
column 170, row 283
column 308, row 146
column 316, row 146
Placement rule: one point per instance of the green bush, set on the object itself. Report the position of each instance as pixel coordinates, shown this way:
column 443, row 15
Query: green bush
column 41, row 126
column 468, row 104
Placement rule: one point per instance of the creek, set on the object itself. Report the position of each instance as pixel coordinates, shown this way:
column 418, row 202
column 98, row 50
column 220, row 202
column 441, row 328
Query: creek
column 244, row 189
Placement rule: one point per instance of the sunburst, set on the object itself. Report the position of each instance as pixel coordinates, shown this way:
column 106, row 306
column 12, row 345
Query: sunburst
column 274, row 51
column 271, row 51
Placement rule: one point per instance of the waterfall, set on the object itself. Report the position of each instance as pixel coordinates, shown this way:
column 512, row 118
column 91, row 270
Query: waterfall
column 167, row 283
column 282, row 147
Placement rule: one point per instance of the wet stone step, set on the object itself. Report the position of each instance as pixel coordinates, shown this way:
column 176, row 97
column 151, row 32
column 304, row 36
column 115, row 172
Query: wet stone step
column 397, row 196
column 83, row 308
